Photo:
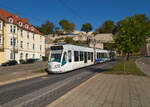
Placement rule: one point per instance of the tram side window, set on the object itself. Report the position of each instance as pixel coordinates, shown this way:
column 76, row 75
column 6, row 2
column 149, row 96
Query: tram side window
column 64, row 61
column 89, row 55
column 98, row 55
column 81, row 56
column 76, row 56
column 69, row 56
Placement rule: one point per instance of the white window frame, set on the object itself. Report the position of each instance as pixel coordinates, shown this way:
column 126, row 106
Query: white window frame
column 11, row 28
column 21, row 32
column 20, row 24
column 32, row 28
column 27, row 26
column 1, row 25
column 40, row 47
column 15, row 29
column 27, row 34
column 21, row 44
column 21, row 55
column 33, row 46
column 40, row 38
column 28, row 45
column 33, row 36
column 1, row 39
column 11, row 20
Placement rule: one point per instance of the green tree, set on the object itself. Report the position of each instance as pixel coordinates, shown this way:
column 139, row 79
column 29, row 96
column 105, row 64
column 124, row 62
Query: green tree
column 131, row 33
column 107, row 27
column 46, row 28
column 87, row 27
column 67, row 26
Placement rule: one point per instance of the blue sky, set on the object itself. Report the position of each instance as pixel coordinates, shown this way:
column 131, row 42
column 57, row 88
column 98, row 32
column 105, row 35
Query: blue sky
column 76, row 11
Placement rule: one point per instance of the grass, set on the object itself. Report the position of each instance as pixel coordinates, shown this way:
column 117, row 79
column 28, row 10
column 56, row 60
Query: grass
column 131, row 68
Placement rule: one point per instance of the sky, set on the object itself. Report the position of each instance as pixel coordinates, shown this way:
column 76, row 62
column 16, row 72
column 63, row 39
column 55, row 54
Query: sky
column 79, row 12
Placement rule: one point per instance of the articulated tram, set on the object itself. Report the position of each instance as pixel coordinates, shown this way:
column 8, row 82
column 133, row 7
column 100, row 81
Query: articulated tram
column 64, row 58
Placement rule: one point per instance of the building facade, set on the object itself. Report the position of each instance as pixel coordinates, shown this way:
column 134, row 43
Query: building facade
column 19, row 39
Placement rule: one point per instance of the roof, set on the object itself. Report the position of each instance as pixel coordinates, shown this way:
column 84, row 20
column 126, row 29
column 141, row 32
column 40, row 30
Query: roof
column 5, row 15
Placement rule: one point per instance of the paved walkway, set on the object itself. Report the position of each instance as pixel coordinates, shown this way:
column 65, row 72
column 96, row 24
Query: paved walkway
column 106, row 90
column 144, row 64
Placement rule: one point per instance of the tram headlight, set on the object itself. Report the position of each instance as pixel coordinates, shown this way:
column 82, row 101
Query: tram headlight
column 57, row 66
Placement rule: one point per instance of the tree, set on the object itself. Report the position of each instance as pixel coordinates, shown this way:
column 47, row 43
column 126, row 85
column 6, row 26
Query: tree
column 107, row 27
column 46, row 28
column 67, row 26
column 87, row 27
column 131, row 33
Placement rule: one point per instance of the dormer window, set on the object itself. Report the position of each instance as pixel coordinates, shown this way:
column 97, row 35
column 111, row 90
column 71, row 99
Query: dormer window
column 11, row 20
column 27, row 26
column 20, row 24
column 32, row 28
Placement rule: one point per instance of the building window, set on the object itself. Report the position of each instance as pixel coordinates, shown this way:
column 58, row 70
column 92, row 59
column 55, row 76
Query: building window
column 27, row 26
column 40, row 47
column 33, row 36
column 32, row 28
column 11, row 28
column 14, row 29
column 0, row 25
column 28, row 35
column 33, row 46
column 11, row 20
column 76, row 56
column 1, row 39
column 27, row 45
column 13, row 42
column 20, row 24
column 21, row 55
column 21, row 44
column 33, row 56
column 21, row 32
column 40, row 38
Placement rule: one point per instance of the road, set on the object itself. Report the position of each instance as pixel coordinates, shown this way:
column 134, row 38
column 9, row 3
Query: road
column 41, row 91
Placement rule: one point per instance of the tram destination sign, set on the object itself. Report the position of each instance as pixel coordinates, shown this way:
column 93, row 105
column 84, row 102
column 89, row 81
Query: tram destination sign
column 57, row 48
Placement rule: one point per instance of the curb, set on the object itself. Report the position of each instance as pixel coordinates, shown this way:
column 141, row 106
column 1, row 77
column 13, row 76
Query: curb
column 22, row 78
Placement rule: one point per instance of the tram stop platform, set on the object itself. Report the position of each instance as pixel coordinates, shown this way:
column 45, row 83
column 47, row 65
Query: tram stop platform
column 108, row 90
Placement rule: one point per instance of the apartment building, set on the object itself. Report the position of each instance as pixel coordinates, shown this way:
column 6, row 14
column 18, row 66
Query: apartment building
column 19, row 39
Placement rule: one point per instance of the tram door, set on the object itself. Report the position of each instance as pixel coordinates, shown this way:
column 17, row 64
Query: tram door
column 85, row 57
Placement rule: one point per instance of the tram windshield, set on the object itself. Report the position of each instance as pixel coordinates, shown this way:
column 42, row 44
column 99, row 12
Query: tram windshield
column 55, row 56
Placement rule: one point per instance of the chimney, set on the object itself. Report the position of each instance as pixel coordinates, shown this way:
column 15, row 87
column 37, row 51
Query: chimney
column 17, row 15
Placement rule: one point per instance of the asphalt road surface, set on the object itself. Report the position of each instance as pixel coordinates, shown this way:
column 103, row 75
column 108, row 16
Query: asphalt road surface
column 41, row 91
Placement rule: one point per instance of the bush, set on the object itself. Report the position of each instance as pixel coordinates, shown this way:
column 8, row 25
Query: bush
column 45, row 58
column 22, row 61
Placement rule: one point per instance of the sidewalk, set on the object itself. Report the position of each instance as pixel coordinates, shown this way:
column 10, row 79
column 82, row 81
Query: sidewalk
column 106, row 90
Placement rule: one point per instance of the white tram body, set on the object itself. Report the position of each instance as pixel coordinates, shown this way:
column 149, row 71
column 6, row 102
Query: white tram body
column 64, row 58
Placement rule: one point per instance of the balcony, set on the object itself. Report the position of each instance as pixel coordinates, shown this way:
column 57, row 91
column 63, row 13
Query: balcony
column 1, row 47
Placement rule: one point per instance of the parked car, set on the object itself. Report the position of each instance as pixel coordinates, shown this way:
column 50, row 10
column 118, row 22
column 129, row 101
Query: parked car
column 10, row 62
column 29, row 61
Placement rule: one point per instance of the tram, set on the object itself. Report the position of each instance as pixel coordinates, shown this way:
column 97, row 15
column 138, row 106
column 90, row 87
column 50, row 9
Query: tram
column 64, row 58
